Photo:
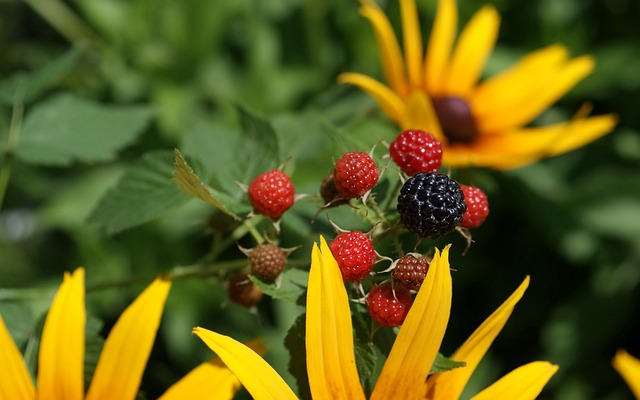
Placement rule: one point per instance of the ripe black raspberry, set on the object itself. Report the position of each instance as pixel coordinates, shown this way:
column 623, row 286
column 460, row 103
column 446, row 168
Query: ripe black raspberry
column 388, row 306
column 410, row 271
column 431, row 205
column 242, row 291
column 267, row 261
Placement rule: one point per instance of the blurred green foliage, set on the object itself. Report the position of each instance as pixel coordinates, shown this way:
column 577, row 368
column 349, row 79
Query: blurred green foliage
column 95, row 95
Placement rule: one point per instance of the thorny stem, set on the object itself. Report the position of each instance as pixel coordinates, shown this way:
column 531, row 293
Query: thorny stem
column 374, row 205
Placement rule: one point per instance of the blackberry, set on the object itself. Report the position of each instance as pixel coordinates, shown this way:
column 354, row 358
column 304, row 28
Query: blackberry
column 431, row 204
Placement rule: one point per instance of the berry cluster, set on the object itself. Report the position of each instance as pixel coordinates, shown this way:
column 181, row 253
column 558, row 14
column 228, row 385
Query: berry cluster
column 429, row 204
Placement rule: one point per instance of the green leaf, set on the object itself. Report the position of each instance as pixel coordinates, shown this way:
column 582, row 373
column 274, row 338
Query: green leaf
column 230, row 156
column 292, row 285
column 19, row 320
column 444, row 364
column 259, row 145
column 66, row 129
column 189, row 183
column 93, row 346
column 144, row 193
column 216, row 148
column 364, row 348
column 295, row 343
column 26, row 87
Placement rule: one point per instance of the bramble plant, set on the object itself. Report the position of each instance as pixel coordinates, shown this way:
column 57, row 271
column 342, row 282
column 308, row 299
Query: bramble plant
column 360, row 225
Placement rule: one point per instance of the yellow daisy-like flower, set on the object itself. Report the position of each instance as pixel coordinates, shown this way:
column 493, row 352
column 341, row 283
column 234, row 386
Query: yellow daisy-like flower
column 122, row 361
column 331, row 363
column 478, row 123
column 629, row 368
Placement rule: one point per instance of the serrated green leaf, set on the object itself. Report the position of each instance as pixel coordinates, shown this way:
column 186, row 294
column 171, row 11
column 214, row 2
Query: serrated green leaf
column 292, row 285
column 258, row 146
column 19, row 321
column 144, row 193
column 93, row 346
column 364, row 348
column 66, row 129
column 26, row 87
column 189, row 183
column 294, row 342
column 216, row 148
column 444, row 364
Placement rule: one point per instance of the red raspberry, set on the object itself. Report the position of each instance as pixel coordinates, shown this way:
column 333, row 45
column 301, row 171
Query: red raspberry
column 355, row 174
column 271, row 193
column 477, row 207
column 410, row 271
column 242, row 291
column 416, row 151
column 388, row 308
column 267, row 261
column 354, row 254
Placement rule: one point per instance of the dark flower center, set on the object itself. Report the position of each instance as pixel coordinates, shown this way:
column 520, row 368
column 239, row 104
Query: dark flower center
column 456, row 119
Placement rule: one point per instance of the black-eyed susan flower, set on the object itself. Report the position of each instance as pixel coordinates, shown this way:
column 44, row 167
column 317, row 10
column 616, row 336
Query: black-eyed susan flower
column 480, row 123
column 122, row 361
column 331, row 364
column 629, row 368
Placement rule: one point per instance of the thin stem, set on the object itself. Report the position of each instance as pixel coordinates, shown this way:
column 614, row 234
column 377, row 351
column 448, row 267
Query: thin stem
column 12, row 141
column 63, row 19
column 252, row 229
column 374, row 205
column 390, row 198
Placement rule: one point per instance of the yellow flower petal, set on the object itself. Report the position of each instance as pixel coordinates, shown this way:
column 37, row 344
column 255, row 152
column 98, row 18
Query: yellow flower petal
column 472, row 51
column 388, row 100
column 127, row 348
column 449, row 385
column 210, row 380
column 331, row 363
column 256, row 375
column 414, row 350
column 412, row 39
column 390, row 55
column 523, row 383
column 61, row 355
column 629, row 368
column 441, row 41
column 420, row 114
column 516, row 148
column 550, row 87
column 16, row 383
column 518, row 83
